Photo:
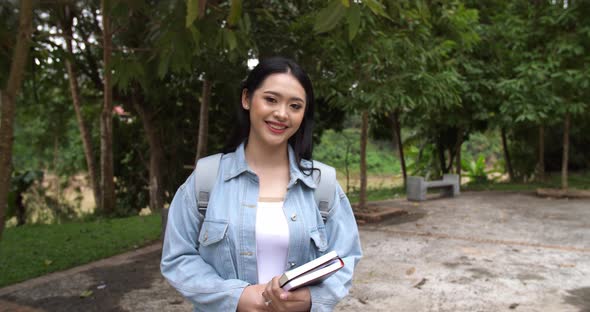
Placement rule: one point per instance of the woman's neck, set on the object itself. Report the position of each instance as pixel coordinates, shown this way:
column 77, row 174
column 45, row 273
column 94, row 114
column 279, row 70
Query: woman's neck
column 261, row 157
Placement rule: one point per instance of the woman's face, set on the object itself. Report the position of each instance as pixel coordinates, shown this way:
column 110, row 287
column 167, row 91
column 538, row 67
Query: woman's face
column 276, row 109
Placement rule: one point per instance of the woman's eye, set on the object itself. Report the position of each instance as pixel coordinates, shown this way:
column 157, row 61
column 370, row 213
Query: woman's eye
column 270, row 99
column 296, row 106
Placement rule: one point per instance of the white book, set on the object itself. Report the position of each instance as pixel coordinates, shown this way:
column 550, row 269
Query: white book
column 312, row 272
column 316, row 276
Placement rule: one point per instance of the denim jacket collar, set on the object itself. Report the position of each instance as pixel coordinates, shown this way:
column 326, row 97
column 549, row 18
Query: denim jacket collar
column 239, row 165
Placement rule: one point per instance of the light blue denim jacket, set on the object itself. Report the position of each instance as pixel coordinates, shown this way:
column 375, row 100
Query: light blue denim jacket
column 210, row 261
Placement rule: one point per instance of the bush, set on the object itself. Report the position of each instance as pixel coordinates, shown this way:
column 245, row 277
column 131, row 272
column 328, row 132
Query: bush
column 475, row 170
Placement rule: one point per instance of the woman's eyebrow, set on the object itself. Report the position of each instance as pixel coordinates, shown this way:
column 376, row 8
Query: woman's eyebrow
column 295, row 98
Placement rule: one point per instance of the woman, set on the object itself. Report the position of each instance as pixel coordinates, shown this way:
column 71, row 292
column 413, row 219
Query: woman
column 262, row 218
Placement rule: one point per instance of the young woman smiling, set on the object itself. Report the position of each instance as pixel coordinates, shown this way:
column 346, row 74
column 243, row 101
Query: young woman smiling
column 262, row 218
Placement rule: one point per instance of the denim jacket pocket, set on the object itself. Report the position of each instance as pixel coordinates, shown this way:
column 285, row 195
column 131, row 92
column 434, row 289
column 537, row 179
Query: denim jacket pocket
column 318, row 236
column 212, row 231
column 214, row 247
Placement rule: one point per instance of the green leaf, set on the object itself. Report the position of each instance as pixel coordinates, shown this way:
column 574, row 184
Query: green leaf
column 346, row 3
column 231, row 40
column 196, row 35
column 235, row 12
column 247, row 22
column 377, row 8
column 192, row 11
column 86, row 293
column 354, row 21
column 164, row 65
column 329, row 17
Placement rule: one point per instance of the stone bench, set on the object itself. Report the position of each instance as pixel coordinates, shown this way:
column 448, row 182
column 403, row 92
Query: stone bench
column 416, row 187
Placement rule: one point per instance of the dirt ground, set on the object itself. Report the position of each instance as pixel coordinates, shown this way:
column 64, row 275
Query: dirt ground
column 481, row 251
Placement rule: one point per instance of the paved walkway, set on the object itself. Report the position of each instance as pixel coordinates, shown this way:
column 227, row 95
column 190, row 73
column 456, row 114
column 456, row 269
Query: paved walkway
column 481, row 251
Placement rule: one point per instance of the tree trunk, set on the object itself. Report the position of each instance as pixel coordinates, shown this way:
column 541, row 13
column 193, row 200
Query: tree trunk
column 400, row 146
column 107, row 186
column 203, row 120
column 8, row 105
column 84, row 133
column 156, row 155
column 451, row 158
column 458, row 153
column 507, row 155
column 364, row 138
column 541, row 163
column 441, row 155
column 566, row 146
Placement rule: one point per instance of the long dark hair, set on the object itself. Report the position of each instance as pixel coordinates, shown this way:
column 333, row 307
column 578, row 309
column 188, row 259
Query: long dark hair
column 301, row 141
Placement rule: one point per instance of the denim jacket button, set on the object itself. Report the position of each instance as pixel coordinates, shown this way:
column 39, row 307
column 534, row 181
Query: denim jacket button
column 294, row 217
column 291, row 264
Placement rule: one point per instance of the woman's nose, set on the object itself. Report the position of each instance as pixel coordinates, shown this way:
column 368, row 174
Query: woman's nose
column 281, row 112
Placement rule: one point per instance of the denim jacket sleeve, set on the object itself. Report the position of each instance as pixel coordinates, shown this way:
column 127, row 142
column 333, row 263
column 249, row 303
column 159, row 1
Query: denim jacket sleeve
column 343, row 237
column 181, row 263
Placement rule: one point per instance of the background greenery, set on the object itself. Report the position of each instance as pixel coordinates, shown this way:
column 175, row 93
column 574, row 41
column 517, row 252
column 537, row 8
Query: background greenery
column 485, row 76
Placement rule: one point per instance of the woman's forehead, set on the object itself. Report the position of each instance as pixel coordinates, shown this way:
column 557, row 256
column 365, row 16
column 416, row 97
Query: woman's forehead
column 283, row 84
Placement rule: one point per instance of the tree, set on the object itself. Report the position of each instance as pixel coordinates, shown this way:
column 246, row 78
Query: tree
column 202, row 136
column 549, row 75
column 231, row 43
column 107, row 184
column 8, row 105
column 67, row 16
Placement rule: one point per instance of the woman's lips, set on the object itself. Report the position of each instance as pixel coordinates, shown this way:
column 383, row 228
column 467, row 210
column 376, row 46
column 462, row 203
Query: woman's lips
column 276, row 127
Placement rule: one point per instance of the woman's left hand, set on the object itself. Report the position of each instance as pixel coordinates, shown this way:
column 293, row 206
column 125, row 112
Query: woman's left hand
column 279, row 300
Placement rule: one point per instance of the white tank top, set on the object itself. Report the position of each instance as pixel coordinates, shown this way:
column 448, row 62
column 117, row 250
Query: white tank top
column 272, row 240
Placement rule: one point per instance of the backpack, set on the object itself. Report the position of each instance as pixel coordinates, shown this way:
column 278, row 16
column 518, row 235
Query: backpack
column 206, row 174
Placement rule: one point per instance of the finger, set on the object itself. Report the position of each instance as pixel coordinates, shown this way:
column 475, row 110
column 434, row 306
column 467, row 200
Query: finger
column 280, row 292
column 268, row 291
column 285, row 295
column 277, row 290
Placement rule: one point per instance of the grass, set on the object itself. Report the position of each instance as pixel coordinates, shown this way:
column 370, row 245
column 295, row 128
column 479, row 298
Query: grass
column 375, row 194
column 34, row 250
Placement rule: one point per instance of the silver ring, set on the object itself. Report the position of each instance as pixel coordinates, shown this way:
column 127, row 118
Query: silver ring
column 267, row 302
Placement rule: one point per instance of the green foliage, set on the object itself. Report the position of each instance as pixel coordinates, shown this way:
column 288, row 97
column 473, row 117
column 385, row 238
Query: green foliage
column 475, row 170
column 46, row 131
column 421, row 161
column 20, row 182
column 328, row 17
column 33, row 250
column 377, row 7
column 486, row 143
column 353, row 18
column 450, row 69
column 342, row 150
column 192, row 11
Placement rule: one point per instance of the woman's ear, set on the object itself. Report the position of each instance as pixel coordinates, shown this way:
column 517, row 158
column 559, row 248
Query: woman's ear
column 245, row 102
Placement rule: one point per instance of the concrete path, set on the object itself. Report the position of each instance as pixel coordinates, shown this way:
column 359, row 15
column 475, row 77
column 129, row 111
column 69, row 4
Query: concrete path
column 481, row 251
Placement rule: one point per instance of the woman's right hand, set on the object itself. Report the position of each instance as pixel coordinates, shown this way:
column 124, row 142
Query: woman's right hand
column 251, row 299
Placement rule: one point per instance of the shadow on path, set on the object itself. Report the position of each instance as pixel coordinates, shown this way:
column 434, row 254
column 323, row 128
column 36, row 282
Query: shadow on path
column 104, row 286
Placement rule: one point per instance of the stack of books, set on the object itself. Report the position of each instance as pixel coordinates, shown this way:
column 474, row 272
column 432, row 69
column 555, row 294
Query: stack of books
column 311, row 273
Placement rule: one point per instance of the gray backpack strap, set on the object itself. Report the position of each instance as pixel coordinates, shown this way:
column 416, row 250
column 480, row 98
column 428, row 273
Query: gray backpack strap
column 205, row 177
column 326, row 186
